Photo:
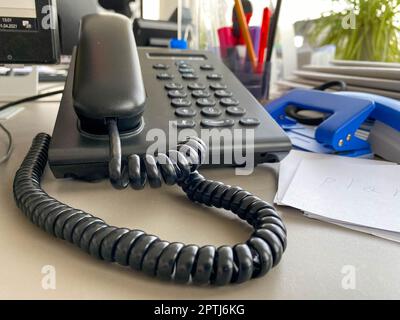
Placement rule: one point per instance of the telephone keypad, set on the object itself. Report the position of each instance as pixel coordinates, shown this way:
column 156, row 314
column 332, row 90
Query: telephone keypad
column 197, row 92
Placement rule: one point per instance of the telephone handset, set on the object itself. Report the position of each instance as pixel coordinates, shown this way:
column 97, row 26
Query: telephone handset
column 109, row 98
column 108, row 81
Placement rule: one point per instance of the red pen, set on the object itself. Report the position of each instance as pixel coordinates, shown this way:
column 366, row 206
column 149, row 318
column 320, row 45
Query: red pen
column 264, row 37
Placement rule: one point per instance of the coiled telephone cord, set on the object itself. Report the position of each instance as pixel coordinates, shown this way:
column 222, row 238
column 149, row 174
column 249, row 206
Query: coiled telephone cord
column 141, row 251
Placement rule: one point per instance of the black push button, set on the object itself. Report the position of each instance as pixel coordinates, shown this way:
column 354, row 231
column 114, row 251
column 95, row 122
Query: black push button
column 236, row 111
column 177, row 94
column 206, row 102
column 165, row 76
column 161, row 66
column 185, row 124
column 182, row 64
column 224, row 123
column 223, row 94
column 196, row 86
column 181, row 103
column 229, row 102
column 214, row 76
column 201, row 94
column 186, row 70
column 207, row 67
column 250, row 122
column 174, row 86
column 218, row 86
column 185, row 112
column 190, row 76
column 211, row 112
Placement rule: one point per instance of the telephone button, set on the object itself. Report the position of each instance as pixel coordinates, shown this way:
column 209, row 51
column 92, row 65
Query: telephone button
column 207, row 67
column 165, row 76
column 190, row 76
column 218, row 86
column 180, row 102
column 224, row 123
column 223, row 94
column 182, row 64
column 206, row 102
column 211, row 112
column 250, row 122
column 201, row 94
column 177, row 94
column 214, row 76
column 185, row 124
column 196, row 86
column 186, row 70
column 174, row 86
column 161, row 66
column 236, row 111
column 185, row 112
column 229, row 102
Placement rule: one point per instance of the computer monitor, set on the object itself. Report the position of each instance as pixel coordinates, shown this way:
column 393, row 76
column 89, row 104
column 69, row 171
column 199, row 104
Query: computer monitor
column 29, row 32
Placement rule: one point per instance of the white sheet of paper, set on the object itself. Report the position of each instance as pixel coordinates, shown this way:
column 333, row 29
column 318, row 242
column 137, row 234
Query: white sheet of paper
column 290, row 164
column 388, row 235
column 367, row 196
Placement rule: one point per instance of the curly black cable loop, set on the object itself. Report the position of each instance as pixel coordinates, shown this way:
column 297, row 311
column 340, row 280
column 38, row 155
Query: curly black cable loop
column 141, row 251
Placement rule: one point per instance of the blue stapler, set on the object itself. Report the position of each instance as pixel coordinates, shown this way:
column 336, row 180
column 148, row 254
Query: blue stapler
column 354, row 124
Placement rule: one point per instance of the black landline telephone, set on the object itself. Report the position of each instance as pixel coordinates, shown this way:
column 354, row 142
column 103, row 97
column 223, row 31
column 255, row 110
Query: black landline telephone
column 104, row 137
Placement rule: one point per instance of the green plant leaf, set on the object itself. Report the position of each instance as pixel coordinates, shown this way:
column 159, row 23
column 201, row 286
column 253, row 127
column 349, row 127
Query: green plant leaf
column 375, row 38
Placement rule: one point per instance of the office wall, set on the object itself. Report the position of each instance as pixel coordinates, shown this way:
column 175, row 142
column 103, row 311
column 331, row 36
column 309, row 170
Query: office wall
column 167, row 7
column 159, row 9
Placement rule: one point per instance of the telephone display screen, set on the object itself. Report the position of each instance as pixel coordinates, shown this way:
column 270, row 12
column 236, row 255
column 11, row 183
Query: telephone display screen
column 18, row 15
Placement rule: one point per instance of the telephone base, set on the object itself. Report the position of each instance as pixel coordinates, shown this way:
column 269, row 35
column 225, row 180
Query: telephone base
column 85, row 157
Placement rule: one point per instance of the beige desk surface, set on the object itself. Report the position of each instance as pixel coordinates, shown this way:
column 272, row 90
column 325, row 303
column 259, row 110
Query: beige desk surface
column 311, row 267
